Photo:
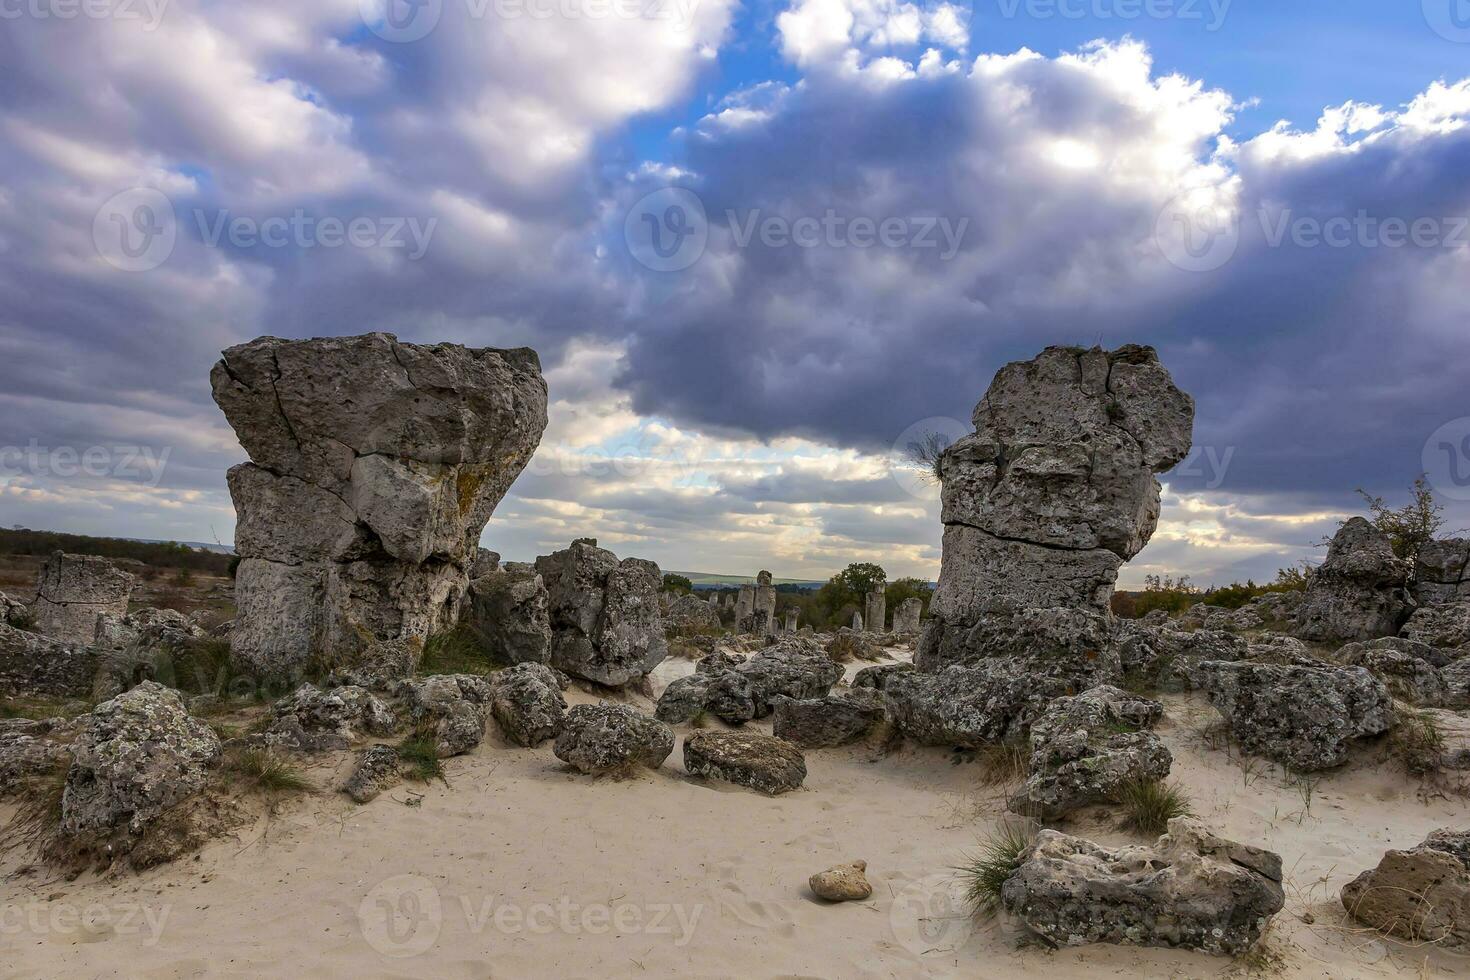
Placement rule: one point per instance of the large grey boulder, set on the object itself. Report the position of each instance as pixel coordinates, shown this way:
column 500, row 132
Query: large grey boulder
column 605, row 619
column 1302, row 713
column 736, row 690
column 1055, row 489
column 374, row 467
column 509, row 613
column 1442, row 572
column 136, row 756
column 727, row 695
column 994, row 701
column 1085, row 749
column 1077, row 645
column 1407, row 677
column 1446, row 625
column 1162, row 656
column 32, row 664
column 312, row 719
column 1421, row 894
column 760, row 762
column 453, row 707
column 1360, row 592
column 688, row 614
column 73, row 590
column 1189, row 890
column 528, row 704
column 906, row 616
column 610, row 738
column 837, row 719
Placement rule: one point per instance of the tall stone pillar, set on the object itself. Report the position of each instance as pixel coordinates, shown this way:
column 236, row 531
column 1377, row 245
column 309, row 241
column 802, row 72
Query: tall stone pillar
column 875, row 612
column 906, row 616
column 792, row 615
column 765, row 604
column 73, row 590
column 744, row 609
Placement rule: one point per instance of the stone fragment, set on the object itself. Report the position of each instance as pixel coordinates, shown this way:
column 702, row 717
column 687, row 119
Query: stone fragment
column 1446, row 626
column 1421, row 894
column 374, row 467
column 1360, row 592
column 606, row 737
column 1190, row 890
column 822, row 722
column 689, row 614
column 33, row 664
column 28, row 749
column 73, row 590
column 842, row 883
column 760, row 762
column 454, row 707
column 1407, row 677
column 1079, row 645
column 378, row 768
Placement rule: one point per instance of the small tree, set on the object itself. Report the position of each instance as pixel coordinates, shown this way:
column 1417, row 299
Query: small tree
column 677, row 584
column 860, row 578
column 1411, row 526
column 908, row 588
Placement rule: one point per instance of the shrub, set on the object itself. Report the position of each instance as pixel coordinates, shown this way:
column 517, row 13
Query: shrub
column 1003, row 763
column 986, row 872
column 265, row 772
column 419, row 754
column 677, row 584
column 1149, row 805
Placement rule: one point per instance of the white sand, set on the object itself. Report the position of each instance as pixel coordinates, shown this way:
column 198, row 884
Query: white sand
column 563, row 857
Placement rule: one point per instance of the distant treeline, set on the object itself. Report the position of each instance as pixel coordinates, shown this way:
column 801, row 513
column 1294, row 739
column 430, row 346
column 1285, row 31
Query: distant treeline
column 22, row 541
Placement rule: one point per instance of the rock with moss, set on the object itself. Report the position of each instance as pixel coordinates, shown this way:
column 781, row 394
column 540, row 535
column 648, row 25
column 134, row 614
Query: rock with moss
column 313, row 719
column 454, row 708
column 509, row 614
column 378, row 768
column 967, row 707
column 763, row 763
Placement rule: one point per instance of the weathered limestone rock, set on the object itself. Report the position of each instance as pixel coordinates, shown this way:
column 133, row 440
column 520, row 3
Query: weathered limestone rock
column 29, row 749
column 378, row 768
column 311, row 719
column 1203, row 616
column 877, row 677
column 1083, row 753
column 1432, row 655
column 1302, row 713
column 736, row 691
column 136, row 756
column 509, row 613
column 994, row 701
column 1360, row 592
column 848, row 645
column 791, row 669
column 528, row 704
column 843, row 883
column 605, row 620
column 374, row 467
column 745, row 609
column 15, row 613
column 690, row 614
column 1077, row 645
column 765, row 605
column 606, row 737
column 34, row 664
column 1422, row 894
column 1164, row 657
column 875, row 610
column 857, row 621
column 1446, row 625
column 761, row 762
column 1190, row 890
column 792, row 616
column 1442, row 572
column 454, row 707
column 1056, row 488
column 906, row 616
column 1407, row 677
column 837, row 719
column 73, row 590
column 727, row 695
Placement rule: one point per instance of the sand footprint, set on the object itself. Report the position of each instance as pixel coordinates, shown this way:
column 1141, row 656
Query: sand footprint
column 731, row 898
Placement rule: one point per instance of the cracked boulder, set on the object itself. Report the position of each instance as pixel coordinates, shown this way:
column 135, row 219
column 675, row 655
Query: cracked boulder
column 1189, row 890
column 1055, row 489
column 509, row 613
column 1446, row 626
column 966, row 707
column 1421, row 894
column 453, row 708
column 33, row 664
column 1360, row 592
column 1442, row 572
column 837, row 719
column 1084, row 749
column 73, row 590
column 374, row 467
column 606, row 626
column 311, row 719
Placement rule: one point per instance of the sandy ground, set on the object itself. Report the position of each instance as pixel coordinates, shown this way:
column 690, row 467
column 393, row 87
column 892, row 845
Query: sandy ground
column 519, row 867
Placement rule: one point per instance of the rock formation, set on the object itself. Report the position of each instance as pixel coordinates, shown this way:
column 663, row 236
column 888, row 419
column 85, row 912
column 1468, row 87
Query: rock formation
column 744, row 608
column 906, row 616
column 1360, row 592
column 606, row 737
column 1055, row 489
column 760, row 762
column 875, row 610
column 1442, row 572
column 765, row 605
column 374, row 467
column 73, row 590
column 605, row 620
column 1421, row 894
column 792, row 616
column 509, row 613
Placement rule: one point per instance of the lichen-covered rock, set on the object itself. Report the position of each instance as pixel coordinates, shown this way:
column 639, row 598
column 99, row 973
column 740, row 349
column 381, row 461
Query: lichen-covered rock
column 906, row 616
column 1456, row 679
column 1160, row 655
column 1190, row 890
column 1204, row 616
column 1442, row 572
column 453, row 706
column 15, row 613
column 1304, row 714
column 848, row 645
column 1360, row 592
column 728, row 696
column 1446, row 626
column 790, row 668
column 606, row 737
column 378, row 768
column 1407, row 677
column 28, row 749
column 877, row 677
column 1082, row 752
column 153, row 629
column 374, row 467
column 1077, row 645
column 994, row 701
column 509, row 613
column 1421, row 894
column 760, row 762
column 329, row 719
column 605, row 620
column 1434, row 656
column 34, row 664
column 688, row 614
column 527, row 704
column 73, row 590
column 136, row 756
column 843, row 883
column 1055, row 489
column 822, row 722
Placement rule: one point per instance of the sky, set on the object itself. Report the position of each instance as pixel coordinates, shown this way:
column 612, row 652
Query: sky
column 760, row 247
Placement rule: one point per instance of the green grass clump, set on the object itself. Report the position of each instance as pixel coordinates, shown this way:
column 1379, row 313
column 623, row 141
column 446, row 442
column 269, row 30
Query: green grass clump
column 1003, row 763
column 999, row 857
column 265, row 772
column 419, row 754
column 456, row 651
column 1149, row 805
column 1417, row 742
